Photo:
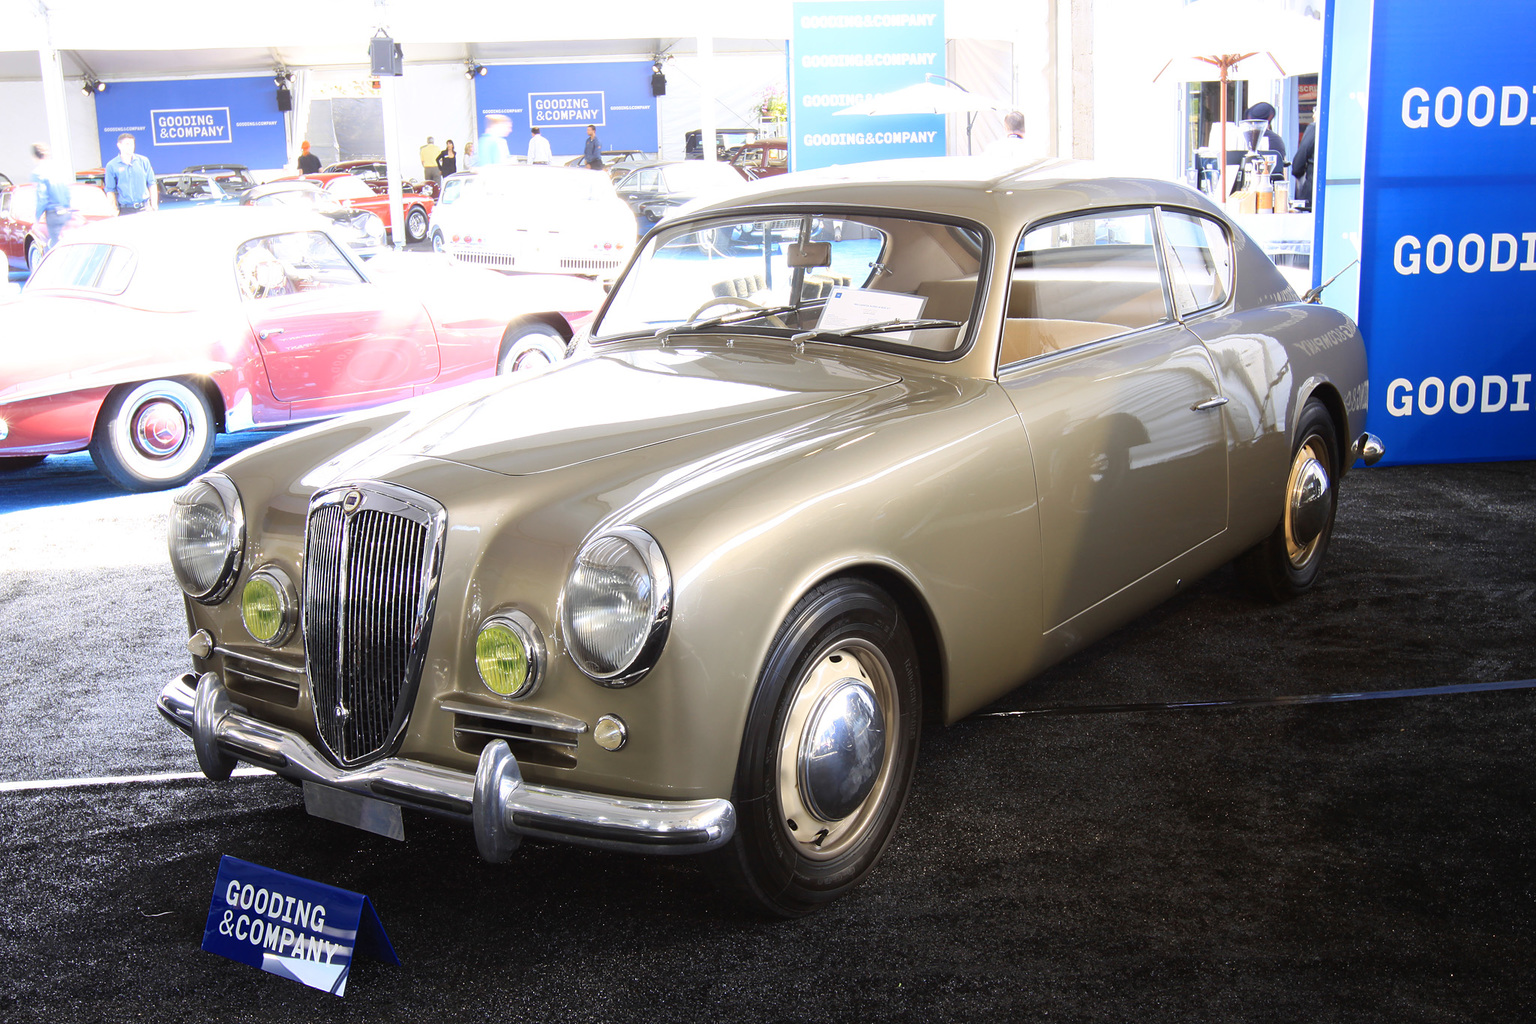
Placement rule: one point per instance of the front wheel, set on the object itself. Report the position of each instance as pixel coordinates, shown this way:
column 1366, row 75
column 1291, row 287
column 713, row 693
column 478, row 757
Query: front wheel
column 527, row 346
column 34, row 254
column 438, row 245
column 416, row 225
column 154, row 435
column 1288, row 561
column 828, row 753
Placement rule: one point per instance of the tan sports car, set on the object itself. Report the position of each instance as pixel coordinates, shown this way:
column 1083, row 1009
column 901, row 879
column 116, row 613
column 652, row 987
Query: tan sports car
column 866, row 449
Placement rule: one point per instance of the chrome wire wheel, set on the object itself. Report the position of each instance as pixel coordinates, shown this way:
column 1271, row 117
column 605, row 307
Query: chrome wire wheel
column 834, row 762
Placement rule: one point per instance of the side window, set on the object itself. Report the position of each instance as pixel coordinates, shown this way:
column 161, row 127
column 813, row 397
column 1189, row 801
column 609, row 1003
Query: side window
column 1082, row 279
column 777, row 157
column 301, row 261
column 646, row 179
column 1199, row 260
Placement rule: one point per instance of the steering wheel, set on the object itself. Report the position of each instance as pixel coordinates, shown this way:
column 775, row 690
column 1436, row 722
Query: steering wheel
column 732, row 300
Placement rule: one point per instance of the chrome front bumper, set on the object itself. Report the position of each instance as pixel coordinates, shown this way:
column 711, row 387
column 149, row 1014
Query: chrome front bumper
column 502, row 807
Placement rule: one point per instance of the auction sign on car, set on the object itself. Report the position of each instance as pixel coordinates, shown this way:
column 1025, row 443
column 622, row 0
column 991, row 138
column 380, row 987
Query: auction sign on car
column 845, row 54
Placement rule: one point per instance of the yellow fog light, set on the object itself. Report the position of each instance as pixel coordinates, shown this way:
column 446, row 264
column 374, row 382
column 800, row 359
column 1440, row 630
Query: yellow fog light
column 267, row 606
column 509, row 654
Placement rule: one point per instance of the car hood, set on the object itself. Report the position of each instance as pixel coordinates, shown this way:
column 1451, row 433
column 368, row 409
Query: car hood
column 605, row 405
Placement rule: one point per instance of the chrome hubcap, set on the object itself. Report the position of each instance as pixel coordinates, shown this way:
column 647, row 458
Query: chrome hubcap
column 1309, row 500
column 159, row 429
column 835, row 759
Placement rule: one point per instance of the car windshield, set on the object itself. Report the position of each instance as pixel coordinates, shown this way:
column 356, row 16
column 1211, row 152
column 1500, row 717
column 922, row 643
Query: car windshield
column 806, row 276
column 349, row 188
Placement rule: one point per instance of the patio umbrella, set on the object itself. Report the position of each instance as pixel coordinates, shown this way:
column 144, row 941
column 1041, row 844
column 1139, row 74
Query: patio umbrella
column 930, row 97
column 1240, row 39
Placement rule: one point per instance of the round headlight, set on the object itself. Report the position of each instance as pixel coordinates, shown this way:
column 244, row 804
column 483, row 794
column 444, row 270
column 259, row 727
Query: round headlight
column 373, row 227
column 618, row 601
column 509, row 654
column 206, row 536
column 267, row 606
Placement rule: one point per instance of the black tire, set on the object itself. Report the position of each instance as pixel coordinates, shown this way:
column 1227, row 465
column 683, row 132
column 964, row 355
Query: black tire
column 153, row 435
column 15, row 463
column 528, row 345
column 34, row 255
column 415, row 224
column 438, row 244
column 790, row 853
column 1288, row 562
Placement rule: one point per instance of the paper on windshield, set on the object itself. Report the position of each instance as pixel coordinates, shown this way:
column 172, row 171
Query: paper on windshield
column 861, row 307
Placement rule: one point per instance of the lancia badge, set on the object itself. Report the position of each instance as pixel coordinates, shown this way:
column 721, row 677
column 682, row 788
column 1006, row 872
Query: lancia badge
column 352, row 501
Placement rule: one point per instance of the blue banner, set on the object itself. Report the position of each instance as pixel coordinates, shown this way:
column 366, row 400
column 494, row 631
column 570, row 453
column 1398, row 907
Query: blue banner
column 562, row 99
column 847, row 53
column 179, row 124
column 1447, row 233
column 292, row 927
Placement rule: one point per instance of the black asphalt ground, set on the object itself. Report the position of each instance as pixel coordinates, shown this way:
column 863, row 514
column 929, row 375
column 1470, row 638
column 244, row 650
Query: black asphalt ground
column 1355, row 861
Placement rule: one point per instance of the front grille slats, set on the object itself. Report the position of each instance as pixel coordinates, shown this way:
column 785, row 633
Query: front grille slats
column 369, row 588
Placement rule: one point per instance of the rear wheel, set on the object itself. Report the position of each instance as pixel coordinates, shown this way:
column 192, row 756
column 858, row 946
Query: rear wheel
column 416, row 225
column 1289, row 560
column 153, row 435
column 527, row 346
column 438, row 245
column 827, row 758
column 34, row 254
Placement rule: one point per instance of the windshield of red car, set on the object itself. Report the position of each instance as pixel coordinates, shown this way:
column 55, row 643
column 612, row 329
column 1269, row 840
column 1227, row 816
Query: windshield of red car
column 827, row 276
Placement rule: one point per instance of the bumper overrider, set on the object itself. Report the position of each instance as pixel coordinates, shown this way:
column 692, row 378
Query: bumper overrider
column 502, row 807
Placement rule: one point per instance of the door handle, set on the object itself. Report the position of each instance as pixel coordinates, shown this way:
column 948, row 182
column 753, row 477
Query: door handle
column 264, row 335
column 1210, row 403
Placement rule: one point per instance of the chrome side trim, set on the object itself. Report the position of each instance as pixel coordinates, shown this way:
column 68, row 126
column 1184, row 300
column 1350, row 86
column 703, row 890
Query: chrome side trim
column 518, row 716
column 508, row 806
column 250, row 659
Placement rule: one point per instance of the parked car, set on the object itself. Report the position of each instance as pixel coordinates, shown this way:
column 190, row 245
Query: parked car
column 354, row 192
column 374, row 173
column 140, row 338
column 543, row 219
column 727, row 142
column 361, row 230
column 228, row 173
column 24, row 238
column 194, row 188
column 696, row 588
column 651, row 190
column 762, row 159
column 616, row 162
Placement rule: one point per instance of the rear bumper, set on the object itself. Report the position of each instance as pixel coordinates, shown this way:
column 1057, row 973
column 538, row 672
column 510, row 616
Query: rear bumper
column 500, row 805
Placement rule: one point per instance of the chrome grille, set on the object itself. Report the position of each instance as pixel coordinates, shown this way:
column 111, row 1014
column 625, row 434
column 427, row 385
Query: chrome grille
column 371, row 556
column 597, row 264
column 484, row 259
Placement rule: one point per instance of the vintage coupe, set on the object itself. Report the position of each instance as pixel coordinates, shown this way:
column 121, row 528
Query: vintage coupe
column 141, row 338
column 696, row 588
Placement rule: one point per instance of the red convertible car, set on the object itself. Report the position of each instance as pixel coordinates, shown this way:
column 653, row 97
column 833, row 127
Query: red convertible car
column 354, row 192
column 140, row 338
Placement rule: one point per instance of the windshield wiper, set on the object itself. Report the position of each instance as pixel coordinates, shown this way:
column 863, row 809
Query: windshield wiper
column 740, row 316
column 885, row 326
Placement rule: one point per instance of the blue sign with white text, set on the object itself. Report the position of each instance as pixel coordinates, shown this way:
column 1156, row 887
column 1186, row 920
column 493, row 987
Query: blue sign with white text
column 182, row 123
column 292, row 927
column 1448, row 234
column 844, row 54
column 562, row 99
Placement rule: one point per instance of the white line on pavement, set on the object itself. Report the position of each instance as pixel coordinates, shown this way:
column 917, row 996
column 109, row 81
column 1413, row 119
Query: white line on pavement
column 117, row 780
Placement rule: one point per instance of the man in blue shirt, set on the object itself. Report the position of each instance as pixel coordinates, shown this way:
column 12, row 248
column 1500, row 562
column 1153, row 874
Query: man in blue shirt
column 130, row 179
column 493, row 144
column 53, row 199
column 592, row 156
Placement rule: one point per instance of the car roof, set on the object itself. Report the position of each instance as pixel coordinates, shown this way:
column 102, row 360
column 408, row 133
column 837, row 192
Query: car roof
column 981, row 188
column 206, row 227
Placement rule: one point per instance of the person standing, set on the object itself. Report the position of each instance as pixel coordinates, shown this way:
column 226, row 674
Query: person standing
column 1302, row 168
column 469, row 155
column 308, row 162
column 592, row 156
column 493, row 144
column 1011, row 145
column 429, row 154
column 130, row 178
column 447, row 161
column 538, row 149
column 53, row 200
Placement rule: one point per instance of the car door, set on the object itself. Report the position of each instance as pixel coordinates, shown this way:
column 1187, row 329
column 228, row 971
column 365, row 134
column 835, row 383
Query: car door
column 330, row 339
column 1120, row 404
